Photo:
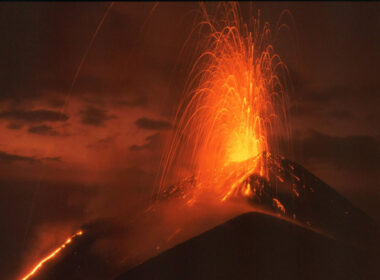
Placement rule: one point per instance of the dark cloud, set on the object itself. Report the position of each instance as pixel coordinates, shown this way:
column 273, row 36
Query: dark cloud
column 341, row 114
column 56, row 102
column 373, row 119
column 311, row 97
column 95, row 116
column 102, row 143
column 314, row 95
column 98, row 86
column 56, row 159
column 43, row 130
column 106, row 140
column 349, row 109
column 303, row 110
column 9, row 158
column 151, row 142
column 337, row 93
column 359, row 152
column 151, row 124
column 134, row 100
column 34, row 116
column 14, row 126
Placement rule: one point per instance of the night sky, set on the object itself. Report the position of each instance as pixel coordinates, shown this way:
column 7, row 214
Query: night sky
column 69, row 157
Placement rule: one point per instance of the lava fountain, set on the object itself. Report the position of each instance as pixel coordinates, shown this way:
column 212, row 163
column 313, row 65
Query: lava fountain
column 234, row 105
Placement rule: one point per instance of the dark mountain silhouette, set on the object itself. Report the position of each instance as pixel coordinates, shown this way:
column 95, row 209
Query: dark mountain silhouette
column 292, row 192
column 258, row 246
column 312, row 202
column 312, row 232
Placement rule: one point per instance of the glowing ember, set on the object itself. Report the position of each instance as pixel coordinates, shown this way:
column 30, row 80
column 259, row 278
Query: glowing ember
column 52, row 255
column 234, row 104
column 279, row 205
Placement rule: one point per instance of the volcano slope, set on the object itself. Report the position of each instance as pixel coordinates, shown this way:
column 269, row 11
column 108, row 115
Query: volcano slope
column 312, row 232
column 258, row 246
column 298, row 228
column 77, row 260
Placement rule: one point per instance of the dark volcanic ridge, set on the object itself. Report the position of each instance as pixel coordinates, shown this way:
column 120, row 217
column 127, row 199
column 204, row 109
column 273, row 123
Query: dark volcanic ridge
column 286, row 243
column 261, row 247
column 293, row 192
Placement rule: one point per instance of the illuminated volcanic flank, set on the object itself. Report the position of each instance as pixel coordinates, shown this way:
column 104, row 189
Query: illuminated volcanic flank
column 235, row 102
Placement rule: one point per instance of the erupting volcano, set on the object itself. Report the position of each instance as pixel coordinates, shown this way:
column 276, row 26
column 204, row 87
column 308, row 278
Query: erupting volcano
column 226, row 152
column 234, row 106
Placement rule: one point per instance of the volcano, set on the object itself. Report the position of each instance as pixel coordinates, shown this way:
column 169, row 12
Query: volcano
column 258, row 246
column 304, row 230
column 293, row 193
column 301, row 229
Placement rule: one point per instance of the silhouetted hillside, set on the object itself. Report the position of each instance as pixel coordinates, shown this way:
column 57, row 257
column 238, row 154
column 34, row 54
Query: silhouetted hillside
column 258, row 246
column 312, row 233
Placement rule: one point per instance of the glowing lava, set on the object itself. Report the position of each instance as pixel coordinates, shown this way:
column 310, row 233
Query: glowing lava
column 234, row 103
column 51, row 255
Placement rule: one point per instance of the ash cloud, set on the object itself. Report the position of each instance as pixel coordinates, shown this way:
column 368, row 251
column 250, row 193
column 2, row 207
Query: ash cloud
column 102, row 143
column 43, row 130
column 341, row 114
column 33, row 116
column 95, row 116
column 152, row 142
column 10, row 158
column 342, row 101
column 357, row 152
column 53, row 159
column 151, row 124
column 14, row 126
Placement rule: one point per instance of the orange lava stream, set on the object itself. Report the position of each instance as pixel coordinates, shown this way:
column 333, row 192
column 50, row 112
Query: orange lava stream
column 52, row 255
column 234, row 102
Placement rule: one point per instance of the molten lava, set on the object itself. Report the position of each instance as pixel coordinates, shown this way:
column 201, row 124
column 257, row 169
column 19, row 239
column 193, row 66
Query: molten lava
column 51, row 255
column 234, row 103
